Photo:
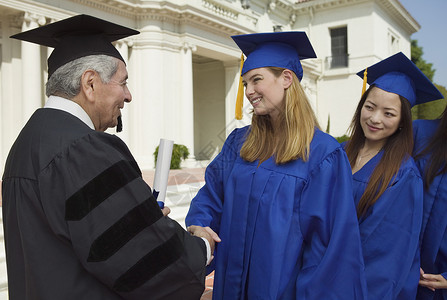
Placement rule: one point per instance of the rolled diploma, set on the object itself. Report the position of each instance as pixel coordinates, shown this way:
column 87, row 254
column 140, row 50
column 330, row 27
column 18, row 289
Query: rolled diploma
column 162, row 171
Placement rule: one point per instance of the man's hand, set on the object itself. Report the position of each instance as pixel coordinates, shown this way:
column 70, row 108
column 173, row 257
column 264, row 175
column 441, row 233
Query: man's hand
column 166, row 210
column 205, row 232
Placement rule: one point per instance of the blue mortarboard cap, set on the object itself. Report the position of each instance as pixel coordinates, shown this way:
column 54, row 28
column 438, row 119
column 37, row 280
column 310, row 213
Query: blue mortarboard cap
column 397, row 74
column 275, row 49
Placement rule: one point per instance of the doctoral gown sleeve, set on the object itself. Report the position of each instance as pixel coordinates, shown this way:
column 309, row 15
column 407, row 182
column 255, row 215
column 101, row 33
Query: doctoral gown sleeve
column 390, row 239
column 114, row 225
column 332, row 251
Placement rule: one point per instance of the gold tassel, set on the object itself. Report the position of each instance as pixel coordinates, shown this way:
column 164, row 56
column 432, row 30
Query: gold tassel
column 365, row 74
column 240, row 93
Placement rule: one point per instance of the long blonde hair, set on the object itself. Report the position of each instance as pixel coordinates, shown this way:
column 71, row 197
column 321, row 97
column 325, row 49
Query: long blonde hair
column 296, row 128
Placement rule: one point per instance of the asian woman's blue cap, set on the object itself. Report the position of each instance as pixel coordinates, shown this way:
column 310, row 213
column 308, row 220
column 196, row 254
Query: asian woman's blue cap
column 275, row 49
column 399, row 75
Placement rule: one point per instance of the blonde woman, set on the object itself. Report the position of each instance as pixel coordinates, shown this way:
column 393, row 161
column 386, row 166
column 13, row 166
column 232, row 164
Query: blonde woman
column 279, row 194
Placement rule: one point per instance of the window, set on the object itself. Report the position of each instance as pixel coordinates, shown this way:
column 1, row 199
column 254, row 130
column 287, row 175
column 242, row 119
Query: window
column 393, row 43
column 339, row 47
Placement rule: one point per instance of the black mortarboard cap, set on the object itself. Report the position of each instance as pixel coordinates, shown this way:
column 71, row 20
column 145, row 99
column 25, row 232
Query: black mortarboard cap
column 76, row 37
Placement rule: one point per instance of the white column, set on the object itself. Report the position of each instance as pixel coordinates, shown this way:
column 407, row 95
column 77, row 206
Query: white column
column 31, row 68
column 146, row 82
column 47, row 52
column 122, row 47
column 187, row 101
column 232, row 75
column 7, row 82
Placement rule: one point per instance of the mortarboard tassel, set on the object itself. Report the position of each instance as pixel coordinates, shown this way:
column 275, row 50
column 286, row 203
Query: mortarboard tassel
column 119, row 126
column 364, row 80
column 240, row 93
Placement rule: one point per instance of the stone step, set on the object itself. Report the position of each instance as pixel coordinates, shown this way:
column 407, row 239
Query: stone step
column 178, row 199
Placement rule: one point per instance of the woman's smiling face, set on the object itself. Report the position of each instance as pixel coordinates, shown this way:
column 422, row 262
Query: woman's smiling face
column 264, row 91
column 380, row 115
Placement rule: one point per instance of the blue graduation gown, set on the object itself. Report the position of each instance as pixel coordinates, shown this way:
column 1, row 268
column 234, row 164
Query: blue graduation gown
column 390, row 232
column 288, row 231
column 434, row 222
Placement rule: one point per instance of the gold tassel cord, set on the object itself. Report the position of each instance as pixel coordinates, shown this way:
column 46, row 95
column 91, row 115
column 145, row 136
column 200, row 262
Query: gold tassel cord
column 365, row 79
column 240, row 93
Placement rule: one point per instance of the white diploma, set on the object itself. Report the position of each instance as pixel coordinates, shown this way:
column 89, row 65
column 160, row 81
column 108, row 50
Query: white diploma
column 162, row 170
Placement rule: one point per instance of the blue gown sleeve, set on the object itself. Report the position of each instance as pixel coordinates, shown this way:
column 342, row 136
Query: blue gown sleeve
column 390, row 239
column 415, row 135
column 332, row 254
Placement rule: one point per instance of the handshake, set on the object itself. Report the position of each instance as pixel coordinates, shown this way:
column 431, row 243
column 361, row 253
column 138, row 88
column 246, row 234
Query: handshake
column 207, row 233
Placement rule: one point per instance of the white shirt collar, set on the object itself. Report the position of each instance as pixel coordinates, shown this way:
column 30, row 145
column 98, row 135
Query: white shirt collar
column 71, row 107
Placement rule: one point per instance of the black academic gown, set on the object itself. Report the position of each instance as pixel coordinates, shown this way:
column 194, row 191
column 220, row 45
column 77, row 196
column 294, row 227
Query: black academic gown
column 80, row 222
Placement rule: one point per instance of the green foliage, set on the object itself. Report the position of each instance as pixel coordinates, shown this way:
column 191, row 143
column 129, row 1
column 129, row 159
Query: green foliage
column 179, row 153
column 416, row 58
column 433, row 109
column 328, row 127
column 342, row 138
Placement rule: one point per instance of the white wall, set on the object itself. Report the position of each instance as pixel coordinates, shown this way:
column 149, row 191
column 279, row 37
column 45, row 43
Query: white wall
column 155, row 64
column 368, row 26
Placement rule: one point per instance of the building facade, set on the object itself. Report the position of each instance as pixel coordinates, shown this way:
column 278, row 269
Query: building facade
column 184, row 67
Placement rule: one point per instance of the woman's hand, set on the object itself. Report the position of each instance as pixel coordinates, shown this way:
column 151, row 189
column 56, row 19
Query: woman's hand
column 432, row 281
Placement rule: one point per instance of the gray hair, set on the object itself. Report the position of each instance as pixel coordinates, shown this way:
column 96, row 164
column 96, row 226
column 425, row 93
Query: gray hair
column 66, row 80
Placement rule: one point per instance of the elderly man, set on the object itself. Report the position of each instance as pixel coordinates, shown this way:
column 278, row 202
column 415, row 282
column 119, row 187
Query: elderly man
column 79, row 221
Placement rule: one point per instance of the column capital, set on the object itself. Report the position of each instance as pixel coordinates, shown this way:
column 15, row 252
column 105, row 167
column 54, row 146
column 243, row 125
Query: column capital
column 188, row 47
column 30, row 18
column 129, row 42
column 292, row 19
column 271, row 6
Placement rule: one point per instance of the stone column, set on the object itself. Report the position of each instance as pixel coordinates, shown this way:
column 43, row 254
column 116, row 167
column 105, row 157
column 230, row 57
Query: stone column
column 10, row 110
column 123, row 47
column 47, row 52
column 187, row 102
column 232, row 75
column 31, row 68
